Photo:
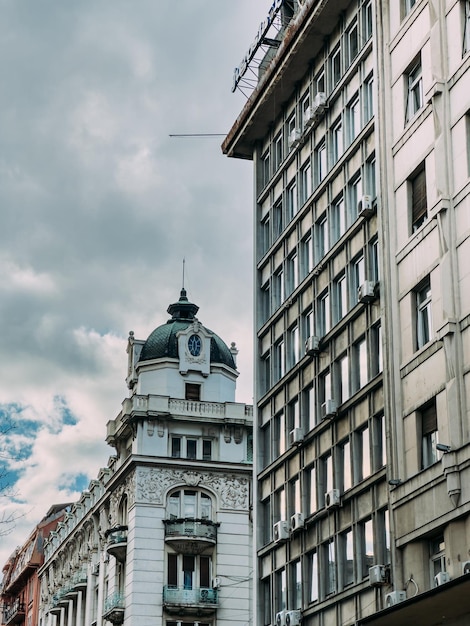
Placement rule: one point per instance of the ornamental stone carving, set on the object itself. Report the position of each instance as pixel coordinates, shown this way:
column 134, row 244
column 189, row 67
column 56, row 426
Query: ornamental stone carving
column 153, row 484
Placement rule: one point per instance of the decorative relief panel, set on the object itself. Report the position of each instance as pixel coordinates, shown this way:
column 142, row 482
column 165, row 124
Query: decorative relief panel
column 153, row 484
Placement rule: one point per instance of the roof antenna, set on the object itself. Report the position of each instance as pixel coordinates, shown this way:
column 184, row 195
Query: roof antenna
column 184, row 260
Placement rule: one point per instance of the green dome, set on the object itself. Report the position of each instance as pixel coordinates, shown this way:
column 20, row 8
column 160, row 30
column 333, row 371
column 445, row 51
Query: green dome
column 163, row 343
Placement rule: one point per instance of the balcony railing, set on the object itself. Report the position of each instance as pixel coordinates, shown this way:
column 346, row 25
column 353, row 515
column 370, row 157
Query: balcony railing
column 114, row 608
column 117, row 542
column 80, row 580
column 204, row 600
column 14, row 613
column 189, row 535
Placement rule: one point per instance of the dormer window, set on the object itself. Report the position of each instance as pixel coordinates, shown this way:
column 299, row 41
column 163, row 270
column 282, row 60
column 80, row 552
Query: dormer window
column 192, row 391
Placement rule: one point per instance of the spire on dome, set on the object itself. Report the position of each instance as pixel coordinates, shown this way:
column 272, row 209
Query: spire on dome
column 183, row 309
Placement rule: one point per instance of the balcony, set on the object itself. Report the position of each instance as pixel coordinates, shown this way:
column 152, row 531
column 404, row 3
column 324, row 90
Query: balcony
column 117, row 542
column 60, row 600
column 181, row 601
column 114, row 608
column 80, row 580
column 14, row 613
column 190, row 536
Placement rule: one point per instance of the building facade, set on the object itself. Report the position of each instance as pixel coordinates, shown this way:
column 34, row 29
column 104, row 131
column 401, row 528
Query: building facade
column 357, row 123
column 163, row 535
column 20, row 583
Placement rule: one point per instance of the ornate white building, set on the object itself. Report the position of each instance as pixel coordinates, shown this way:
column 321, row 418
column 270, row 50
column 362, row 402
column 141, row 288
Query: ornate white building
column 163, row 536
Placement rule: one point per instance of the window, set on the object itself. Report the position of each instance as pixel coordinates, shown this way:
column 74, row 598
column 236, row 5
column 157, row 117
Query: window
column 321, row 238
column 279, row 434
column 321, row 163
column 313, row 576
column 320, row 83
column 307, row 255
column 367, row 21
column 354, row 119
column 330, row 567
column 406, row 7
column 346, row 465
column 367, row 546
column 191, row 448
column 368, row 95
column 363, row 440
column 357, row 277
column 305, row 109
column 355, row 194
column 352, row 39
column 323, row 318
column 265, row 168
column 280, row 511
column 188, row 572
column 279, row 296
column 344, row 378
column 192, row 391
column 294, row 341
column 376, row 354
column 265, row 304
column 278, row 223
column 312, row 491
column 265, row 242
column 437, row 556
column 295, row 598
column 360, row 364
column 338, row 215
column 419, row 204
column 347, row 558
column 335, row 67
column 306, row 182
column 423, row 314
column 292, row 273
column 278, row 152
column 295, row 502
column 414, row 98
column 337, row 141
column 466, row 27
column 340, row 298
column 189, row 504
column 427, row 417
column 280, row 360
column 292, row 201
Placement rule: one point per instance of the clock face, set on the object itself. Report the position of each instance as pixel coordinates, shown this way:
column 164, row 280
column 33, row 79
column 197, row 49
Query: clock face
column 194, row 345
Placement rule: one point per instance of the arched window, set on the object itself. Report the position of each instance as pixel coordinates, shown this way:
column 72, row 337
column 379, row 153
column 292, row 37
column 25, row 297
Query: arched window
column 122, row 511
column 189, row 503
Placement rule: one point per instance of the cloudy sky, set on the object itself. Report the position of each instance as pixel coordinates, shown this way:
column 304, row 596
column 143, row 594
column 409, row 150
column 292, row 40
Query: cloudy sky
column 98, row 207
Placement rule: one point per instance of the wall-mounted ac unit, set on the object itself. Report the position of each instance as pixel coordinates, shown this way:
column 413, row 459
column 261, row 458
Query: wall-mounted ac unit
column 95, row 569
column 320, row 101
column 377, row 575
column 466, row 567
column 395, row 597
column 281, row 531
column 366, row 292
column 281, row 618
column 441, row 578
column 297, row 521
column 329, row 409
column 309, row 115
column 294, row 138
column 332, row 499
column 364, row 207
column 216, row 582
column 312, row 345
column 293, row 618
column 296, row 436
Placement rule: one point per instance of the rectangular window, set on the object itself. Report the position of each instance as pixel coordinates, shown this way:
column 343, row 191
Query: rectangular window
column 265, row 168
column 322, row 239
column 330, row 567
column 280, row 359
column 278, row 151
column 357, row 277
column 337, row 141
column 305, row 109
column 354, row 119
column 292, row 273
column 466, row 27
column 191, row 448
column 344, row 378
column 347, row 558
column 338, row 215
column 355, row 194
column 280, row 595
column 313, row 575
column 265, row 239
column 295, row 599
column 429, row 434
column 323, row 317
column 278, row 222
column 321, row 162
column 192, row 391
column 419, row 203
column 206, row 449
column 312, row 491
column 367, row 544
column 335, row 67
column 292, row 206
column 352, row 39
column 279, row 295
column 310, row 407
column 367, row 21
column 320, row 83
column 414, row 83
column 368, row 96
column 437, row 556
column 406, row 7
column 307, row 255
column 360, row 364
column 423, row 314
column 294, row 352
column 341, row 298
column 295, row 504
column 306, row 182
column 346, row 465
column 176, row 447
column 364, row 444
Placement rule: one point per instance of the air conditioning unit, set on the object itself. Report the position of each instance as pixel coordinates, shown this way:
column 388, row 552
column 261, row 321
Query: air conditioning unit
column 294, row 138
column 297, row 521
column 296, row 436
column 377, row 575
column 281, row 531
column 95, row 569
column 366, row 291
column 320, row 101
column 310, row 115
column 364, row 207
column 216, row 582
column 312, row 345
column 395, row 597
column 281, row 618
column 293, row 618
column 329, row 409
column 332, row 499
column 441, row 579
column 466, row 567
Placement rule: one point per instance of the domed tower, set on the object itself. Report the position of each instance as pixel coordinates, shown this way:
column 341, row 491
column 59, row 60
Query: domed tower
column 183, row 359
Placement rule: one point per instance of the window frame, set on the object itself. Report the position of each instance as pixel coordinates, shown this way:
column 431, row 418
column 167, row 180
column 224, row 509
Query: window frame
column 414, row 89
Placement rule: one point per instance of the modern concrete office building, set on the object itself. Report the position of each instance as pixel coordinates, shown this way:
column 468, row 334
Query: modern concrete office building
column 163, row 535
column 358, row 124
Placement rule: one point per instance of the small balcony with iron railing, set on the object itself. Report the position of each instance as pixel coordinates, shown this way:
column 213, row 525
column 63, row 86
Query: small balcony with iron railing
column 181, row 601
column 60, row 600
column 14, row 613
column 117, row 542
column 113, row 610
column 80, row 580
column 190, row 535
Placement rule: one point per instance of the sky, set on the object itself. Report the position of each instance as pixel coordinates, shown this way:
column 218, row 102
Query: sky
column 99, row 206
